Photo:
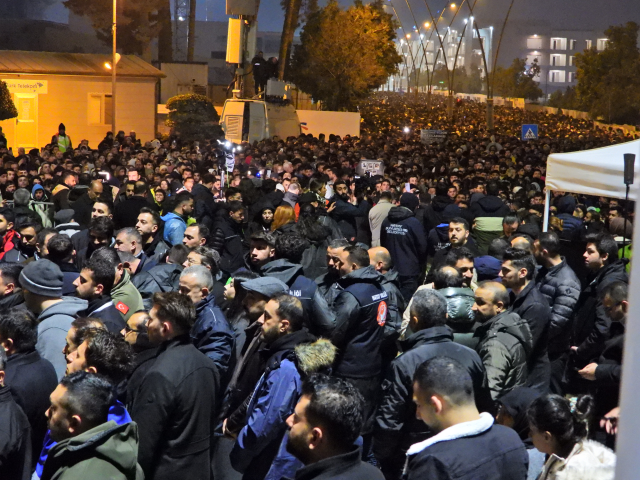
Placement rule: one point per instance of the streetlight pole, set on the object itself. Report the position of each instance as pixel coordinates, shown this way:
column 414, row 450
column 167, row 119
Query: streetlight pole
column 114, row 63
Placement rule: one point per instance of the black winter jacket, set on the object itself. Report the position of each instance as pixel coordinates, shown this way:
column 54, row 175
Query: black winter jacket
column 32, row 379
column 590, row 323
column 360, row 323
column 156, row 250
column 228, row 240
column 175, row 409
column 530, row 305
column 433, row 213
column 103, row 309
column 496, row 453
column 561, row 287
column 345, row 215
column 396, row 425
column 347, row 466
column 489, row 206
column 403, row 235
column 15, row 443
column 320, row 320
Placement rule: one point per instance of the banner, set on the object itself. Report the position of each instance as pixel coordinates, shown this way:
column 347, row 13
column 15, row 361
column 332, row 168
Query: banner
column 433, row 136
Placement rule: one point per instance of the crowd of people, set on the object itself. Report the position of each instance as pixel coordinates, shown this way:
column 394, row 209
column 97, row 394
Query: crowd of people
column 293, row 319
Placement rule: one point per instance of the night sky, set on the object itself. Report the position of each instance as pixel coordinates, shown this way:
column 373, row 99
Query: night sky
column 565, row 14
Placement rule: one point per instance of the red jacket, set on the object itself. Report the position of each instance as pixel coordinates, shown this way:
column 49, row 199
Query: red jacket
column 8, row 242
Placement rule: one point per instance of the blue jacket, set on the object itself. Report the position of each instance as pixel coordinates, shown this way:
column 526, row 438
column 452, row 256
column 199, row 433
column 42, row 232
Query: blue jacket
column 213, row 336
column 260, row 450
column 117, row 413
column 174, row 227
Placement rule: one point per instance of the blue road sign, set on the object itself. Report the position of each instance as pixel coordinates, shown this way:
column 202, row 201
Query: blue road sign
column 529, row 132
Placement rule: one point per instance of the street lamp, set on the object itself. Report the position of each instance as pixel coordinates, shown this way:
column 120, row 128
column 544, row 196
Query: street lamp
column 114, row 66
column 453, row 5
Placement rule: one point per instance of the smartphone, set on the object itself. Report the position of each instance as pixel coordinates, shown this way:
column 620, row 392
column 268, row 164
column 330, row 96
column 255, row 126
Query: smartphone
column 407, row 187
column 105, row 175
column 268, row 174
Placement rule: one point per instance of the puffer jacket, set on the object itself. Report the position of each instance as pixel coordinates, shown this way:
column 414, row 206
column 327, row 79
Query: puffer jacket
column 489, row 206
column 106, row 451
column 459, row 303
column 321, row 320
column 504, row 344
column 589, row 460
column 213, row 336
column 571, row 226
column 161, row 278
column 591, row 324
column 260, row 449
column 561, row 287
column 174, row 227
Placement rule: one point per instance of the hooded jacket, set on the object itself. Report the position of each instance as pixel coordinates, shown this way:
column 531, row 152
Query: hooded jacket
column 40, row 209
column 126, row 297
column 403, row 235
column 53, row 324
column 260, row 450
column 213, row 336
column 433, row 215
column 175, row 409
column 106, row 451
column 320, row 320
column 174, row 227
column 396, row 425
column 571, row 226
column 361, row 314
column 164, row 277
column 504, row 344
column 590, row 322
column 489, row 206
column 459, row 303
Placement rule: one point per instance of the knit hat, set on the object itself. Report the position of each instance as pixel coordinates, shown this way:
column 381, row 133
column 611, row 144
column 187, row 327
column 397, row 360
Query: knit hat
column 42, row 277
column 64, row 216
column 409, row 200
column 266, row 286
column 61, row 127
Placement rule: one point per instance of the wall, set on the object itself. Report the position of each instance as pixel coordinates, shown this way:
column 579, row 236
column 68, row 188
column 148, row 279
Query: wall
column 67, row 102
column 180, row 75
column 336, row 123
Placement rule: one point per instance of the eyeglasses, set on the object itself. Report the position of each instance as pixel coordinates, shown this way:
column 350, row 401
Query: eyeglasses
column 128, row 329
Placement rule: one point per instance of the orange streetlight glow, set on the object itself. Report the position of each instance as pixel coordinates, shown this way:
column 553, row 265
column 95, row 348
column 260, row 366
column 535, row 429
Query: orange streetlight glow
column 453, row 5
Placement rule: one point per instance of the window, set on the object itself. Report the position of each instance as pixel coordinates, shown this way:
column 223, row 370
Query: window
column 602, row 43
column 571, row 77
column 534, row 43
column 572, row 60
column 573, row 44
column 556, row 76
column 558, row 43
column 558, row 60
column 99, row 109
column 589, row 44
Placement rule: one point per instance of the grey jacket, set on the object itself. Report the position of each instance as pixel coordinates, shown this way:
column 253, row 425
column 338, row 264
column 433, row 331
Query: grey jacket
column 53, row 324
column 504, row 345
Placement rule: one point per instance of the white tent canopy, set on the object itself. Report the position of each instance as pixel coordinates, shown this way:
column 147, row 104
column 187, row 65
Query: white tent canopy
column 598, row 172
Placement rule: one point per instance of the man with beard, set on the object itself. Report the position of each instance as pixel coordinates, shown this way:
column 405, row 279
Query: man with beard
column 347, row 210
column 135, row 333
column 459, row 236
column 327, row 283
column 175, row 221
column 176, row 402
column 100, row 235
column 149, row 226
column 10, row 291
column 323, row 429
column 258, row 451
column 25, row 247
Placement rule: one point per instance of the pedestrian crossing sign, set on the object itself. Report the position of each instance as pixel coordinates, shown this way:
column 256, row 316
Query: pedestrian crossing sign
column 529, row 132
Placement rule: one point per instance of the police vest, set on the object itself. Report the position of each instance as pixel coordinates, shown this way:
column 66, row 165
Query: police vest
column 372, row 299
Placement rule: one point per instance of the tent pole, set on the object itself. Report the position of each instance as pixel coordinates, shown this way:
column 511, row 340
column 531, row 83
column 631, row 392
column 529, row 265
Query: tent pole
column 545, row 222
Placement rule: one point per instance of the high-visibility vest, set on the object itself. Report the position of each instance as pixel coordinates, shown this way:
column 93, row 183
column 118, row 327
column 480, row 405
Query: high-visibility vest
column 63, row 143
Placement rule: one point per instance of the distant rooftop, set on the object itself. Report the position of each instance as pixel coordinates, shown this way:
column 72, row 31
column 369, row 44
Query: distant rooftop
column 52, row 63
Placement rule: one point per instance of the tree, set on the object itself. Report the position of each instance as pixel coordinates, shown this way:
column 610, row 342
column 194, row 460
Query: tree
column 292, row 9
column 193, row 117
column 139, row 22
column 567, row 99
column 344, row 54
column 7, row 107
column 609, row 80
column 517, row 81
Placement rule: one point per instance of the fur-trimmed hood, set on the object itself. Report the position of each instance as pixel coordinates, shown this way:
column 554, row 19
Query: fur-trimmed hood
column 588, row 460
column 316, row 357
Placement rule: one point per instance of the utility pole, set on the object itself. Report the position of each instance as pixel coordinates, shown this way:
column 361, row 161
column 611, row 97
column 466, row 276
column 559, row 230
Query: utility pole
column 114, row 65
column 191, row 35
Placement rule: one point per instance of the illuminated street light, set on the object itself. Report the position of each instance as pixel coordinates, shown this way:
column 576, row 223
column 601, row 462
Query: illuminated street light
column 453, row 5
column 427, row 24
column 408, row 35
column 406, row 129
